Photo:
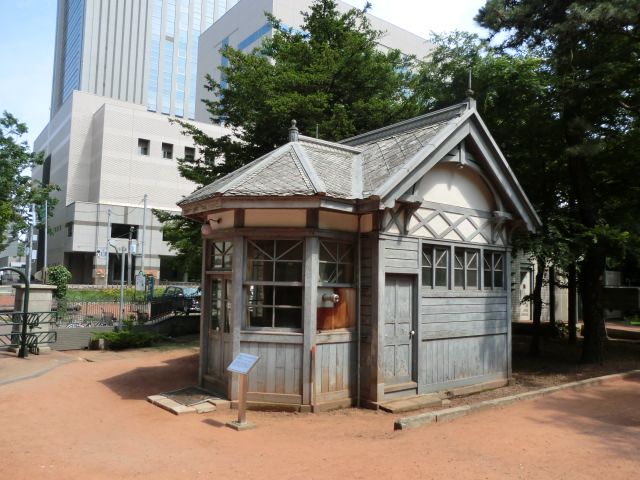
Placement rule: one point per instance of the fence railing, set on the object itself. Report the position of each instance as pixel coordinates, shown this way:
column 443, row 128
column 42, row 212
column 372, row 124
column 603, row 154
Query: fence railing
column 107, row 313
column 38, row 332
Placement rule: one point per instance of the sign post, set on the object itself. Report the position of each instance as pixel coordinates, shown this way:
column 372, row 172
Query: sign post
column 241, row 366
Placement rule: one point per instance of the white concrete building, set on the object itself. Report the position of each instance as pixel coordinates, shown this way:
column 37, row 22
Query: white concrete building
column 245, row 25
column 106, row 155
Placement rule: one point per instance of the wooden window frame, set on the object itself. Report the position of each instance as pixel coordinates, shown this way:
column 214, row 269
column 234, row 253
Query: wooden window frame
column 249, row 283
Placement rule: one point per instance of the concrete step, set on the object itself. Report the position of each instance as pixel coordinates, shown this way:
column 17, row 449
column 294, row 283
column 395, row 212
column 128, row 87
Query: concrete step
column 413, row 403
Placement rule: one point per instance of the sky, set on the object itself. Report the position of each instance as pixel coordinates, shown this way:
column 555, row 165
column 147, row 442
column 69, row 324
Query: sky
column 28, row 31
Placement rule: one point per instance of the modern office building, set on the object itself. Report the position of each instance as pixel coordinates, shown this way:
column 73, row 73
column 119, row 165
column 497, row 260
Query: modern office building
column 106, row 155
column 244, row 26
column 142, row 51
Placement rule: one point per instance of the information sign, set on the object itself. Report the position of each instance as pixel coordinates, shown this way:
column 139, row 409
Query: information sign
column 243, row 363
column 140, row 282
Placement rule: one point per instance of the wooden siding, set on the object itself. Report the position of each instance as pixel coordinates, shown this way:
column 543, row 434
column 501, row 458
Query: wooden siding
column 463, row 339
column 449, row 362
column 279, row 369
column 401, row 255
column 335, row 370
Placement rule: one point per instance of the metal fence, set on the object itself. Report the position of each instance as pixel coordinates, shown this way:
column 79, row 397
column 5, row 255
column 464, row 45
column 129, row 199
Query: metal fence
column 106, row 314
column 39, row 329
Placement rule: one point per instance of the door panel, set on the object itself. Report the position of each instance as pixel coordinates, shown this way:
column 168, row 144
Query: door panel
column 221, row 321
column 398, row 327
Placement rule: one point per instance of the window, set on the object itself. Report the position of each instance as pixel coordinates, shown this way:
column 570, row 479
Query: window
column 143, row 146
column 493, row 270
column 220, row 305
column 167, row 150
column 123, row 230
column 336, row 263
column 336, row 296
column 435, row 266
column 274, row 283
column 465, row 268
column 189, row 153
column 220, row 256
column 69, row 229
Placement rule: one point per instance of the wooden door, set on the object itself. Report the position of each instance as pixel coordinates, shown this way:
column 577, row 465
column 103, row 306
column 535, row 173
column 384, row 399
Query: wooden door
column 398, row 329
column 220, row 340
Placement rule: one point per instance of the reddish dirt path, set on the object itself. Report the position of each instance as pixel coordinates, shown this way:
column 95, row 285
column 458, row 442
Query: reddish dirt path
column 91, row 421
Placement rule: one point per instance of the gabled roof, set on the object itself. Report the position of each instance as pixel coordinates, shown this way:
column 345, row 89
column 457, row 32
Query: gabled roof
column 382, row 164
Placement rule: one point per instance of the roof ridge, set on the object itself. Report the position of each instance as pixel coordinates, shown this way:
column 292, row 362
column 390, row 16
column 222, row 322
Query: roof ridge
column 327, row 143
column 427, row 119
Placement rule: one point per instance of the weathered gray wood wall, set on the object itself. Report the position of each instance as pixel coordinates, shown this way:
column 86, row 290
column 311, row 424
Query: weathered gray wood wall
column 463, row 339
column 277, row 377
column 335, row 367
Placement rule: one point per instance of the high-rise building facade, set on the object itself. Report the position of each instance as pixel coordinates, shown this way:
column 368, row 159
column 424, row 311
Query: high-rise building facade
column 143, row 51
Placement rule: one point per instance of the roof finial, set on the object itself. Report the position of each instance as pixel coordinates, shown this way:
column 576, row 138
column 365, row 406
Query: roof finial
column 293, row 132
column 470, row 93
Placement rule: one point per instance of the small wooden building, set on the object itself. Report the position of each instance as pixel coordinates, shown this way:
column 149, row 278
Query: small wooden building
column 362, row 271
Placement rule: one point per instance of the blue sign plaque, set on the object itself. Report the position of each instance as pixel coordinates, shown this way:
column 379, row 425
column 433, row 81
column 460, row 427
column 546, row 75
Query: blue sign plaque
column 243, row 363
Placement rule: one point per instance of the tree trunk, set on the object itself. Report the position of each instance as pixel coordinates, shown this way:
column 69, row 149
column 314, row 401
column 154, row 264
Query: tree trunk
column 590, row 279
column 552, row 296
column 534, row 347
column 573, row 304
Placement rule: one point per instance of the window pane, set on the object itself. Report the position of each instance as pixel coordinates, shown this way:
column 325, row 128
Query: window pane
column 260, row 249
column 498, row 279
column 260, row 316
column 459, row 278
column 328, row 251
column 442, row 258
column 260, row 295
column 288, row 318
column 459, row 263
column 216, row 304
column 288, row 272
column 261, row 271
column 427, row 256
column 441, row 277
column 288, row 296
column 427, row 278
column 328, row 272
column 472, row 278
column 288, row 250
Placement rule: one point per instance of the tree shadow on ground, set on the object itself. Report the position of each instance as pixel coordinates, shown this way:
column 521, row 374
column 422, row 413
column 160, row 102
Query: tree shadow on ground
column 139, row 383
column 609, row 412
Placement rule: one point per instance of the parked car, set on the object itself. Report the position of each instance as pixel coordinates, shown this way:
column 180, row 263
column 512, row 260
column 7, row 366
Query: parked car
column 182, row 299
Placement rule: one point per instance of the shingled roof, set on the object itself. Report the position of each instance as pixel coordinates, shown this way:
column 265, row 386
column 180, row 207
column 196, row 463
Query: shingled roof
column 352, row 169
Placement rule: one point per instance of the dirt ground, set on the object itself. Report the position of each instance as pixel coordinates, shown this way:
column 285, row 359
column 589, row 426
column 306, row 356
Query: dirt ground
column 90, row 420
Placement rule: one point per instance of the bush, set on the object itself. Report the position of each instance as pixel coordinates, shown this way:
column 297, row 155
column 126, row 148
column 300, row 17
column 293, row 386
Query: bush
column 59, row 276
column 128, row 339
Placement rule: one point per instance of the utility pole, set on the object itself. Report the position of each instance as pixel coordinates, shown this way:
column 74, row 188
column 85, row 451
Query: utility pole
column 30, row 243
column 121, row 316
column 45, row 240
column 106, row 250
column 144, row 229
column 129, row 255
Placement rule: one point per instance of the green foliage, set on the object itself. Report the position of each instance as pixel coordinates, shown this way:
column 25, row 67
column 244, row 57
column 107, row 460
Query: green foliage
column 59, row 276
column 591, row 51
column 329, row 75
column 17, row 190
column 128, row 338
column 105, row 294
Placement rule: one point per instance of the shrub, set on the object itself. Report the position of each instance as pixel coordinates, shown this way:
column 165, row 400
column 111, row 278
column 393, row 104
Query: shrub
column 128, row 339
column 59, row 276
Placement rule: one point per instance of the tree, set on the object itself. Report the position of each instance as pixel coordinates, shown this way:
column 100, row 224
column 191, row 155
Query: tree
column 17, row 190
column 591, row 51
column 329, row 75
column 512, row 97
